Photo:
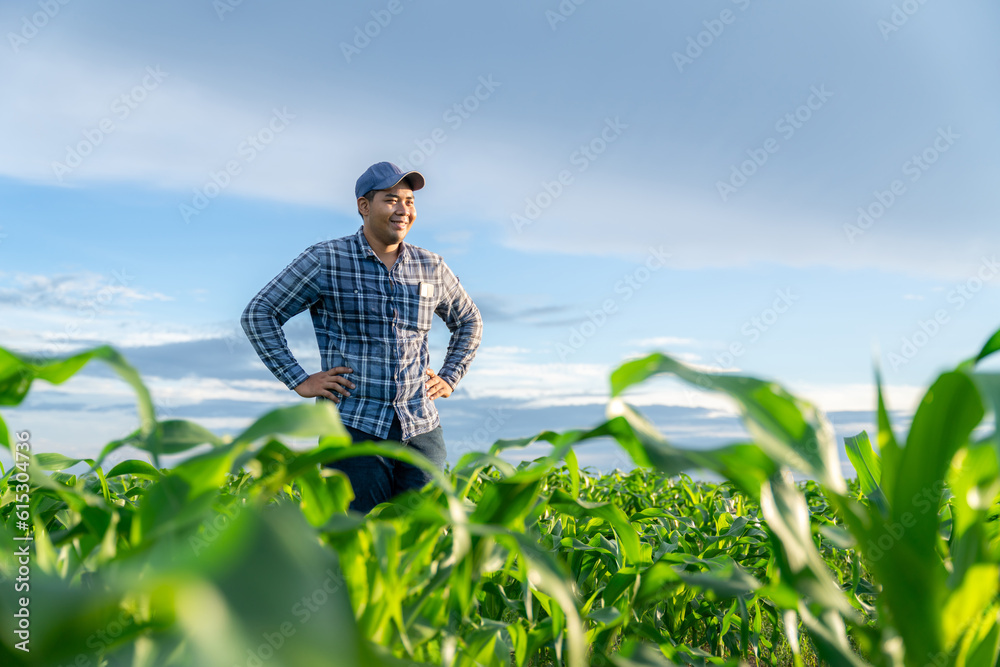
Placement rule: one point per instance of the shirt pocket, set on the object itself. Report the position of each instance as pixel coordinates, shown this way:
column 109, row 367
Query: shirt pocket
column 360, row 311
column 417, row 311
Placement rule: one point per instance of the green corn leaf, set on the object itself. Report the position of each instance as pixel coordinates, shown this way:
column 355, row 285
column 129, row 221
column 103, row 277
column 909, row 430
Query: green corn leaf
column 982, row 645
column 17, row 372
column 48, row 461
column 323, row 495
column 743, row 463
column 302, row 420
column 901, row 550
column 888, row 447
column 965, row 604
column 992, row 345
column 789, row 429
column 5, row 440
column 627, row 537
column 134, row 467
column 504, row 503
column 869, row 468
column 171, row 436
column 574, row 472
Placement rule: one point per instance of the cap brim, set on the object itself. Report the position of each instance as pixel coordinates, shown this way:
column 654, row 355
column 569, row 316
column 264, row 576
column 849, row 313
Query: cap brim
column 415, row 177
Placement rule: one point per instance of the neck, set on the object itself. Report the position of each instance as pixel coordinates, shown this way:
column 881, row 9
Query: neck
column 381, row 248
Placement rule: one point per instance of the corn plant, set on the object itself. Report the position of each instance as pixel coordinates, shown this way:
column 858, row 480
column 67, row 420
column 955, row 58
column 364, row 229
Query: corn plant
column 245, row 553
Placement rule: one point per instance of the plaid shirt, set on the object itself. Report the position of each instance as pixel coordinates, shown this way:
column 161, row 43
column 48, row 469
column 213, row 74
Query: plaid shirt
column 371, row 319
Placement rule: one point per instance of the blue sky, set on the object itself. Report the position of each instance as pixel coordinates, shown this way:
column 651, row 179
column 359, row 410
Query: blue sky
column 776, row 190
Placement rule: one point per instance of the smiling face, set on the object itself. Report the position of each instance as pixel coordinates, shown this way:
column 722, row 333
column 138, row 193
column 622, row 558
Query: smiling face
column 388, row 216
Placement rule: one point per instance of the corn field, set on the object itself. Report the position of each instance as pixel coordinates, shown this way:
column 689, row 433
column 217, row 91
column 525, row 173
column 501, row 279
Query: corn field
column 244, row 553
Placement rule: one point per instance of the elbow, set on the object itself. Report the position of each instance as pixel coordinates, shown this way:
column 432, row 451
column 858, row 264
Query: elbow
column 472, row 318
column 249, row 314
column 476, row 321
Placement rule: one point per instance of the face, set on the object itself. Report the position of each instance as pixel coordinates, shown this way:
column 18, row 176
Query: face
column 390, row 214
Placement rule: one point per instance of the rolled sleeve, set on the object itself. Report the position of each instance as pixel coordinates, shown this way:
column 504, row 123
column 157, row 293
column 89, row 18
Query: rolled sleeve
column 289, row 293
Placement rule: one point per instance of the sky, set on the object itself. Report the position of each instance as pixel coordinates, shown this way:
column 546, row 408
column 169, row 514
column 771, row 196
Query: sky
column 794, row 191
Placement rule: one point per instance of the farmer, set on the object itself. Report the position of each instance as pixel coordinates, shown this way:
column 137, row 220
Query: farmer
column 371, row 298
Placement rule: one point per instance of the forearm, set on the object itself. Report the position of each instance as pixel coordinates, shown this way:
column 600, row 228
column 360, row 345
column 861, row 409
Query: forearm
column 289, row 293
column 465, row 340
column 263, row 329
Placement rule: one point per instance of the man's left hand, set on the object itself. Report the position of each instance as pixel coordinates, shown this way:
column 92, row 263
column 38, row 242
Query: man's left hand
column 436, row 387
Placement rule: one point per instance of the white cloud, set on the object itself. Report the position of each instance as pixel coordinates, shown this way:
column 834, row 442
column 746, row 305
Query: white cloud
column 183, row 131
column 861, row 397
column 51, row 333
column 84, row 291
column 663, row 341
column 173, row 139
column 502, row 373
column 192, row 391
column 500, row 351
column 559, row 384
column 702, row 233
column 170, row 394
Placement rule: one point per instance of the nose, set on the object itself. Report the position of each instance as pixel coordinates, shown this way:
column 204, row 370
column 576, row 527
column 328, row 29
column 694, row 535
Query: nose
column 403, row 210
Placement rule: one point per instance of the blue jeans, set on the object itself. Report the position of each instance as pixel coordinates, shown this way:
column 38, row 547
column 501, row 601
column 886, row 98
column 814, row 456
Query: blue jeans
column 376, row 479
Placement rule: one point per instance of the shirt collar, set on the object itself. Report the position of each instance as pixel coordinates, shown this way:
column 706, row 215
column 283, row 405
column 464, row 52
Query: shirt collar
column 366, row 247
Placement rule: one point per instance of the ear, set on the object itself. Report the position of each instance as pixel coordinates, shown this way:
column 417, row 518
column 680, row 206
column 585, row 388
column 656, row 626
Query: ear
column 363, row 206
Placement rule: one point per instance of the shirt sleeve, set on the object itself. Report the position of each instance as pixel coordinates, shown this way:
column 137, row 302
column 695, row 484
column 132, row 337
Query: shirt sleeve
column 289, row 293
column 464, row 322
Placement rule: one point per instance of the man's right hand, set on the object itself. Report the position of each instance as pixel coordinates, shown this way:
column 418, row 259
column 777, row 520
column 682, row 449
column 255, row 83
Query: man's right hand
column 320, row 384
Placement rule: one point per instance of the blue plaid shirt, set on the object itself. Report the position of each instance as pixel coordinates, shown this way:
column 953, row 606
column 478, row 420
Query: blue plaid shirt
column 371, row 319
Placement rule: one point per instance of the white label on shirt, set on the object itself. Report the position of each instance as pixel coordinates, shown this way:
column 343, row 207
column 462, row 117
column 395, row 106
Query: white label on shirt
column 426, row 289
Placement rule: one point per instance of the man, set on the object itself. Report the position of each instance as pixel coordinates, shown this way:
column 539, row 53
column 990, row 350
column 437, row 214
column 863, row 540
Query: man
column 371, row 297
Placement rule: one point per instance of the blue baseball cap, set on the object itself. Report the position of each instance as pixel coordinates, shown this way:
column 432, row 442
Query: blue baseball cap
column 383, row 176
